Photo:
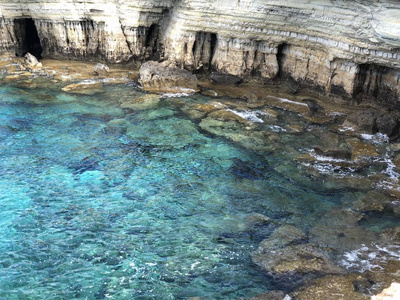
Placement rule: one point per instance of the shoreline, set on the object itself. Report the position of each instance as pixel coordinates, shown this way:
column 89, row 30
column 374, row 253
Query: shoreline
column 234, row 101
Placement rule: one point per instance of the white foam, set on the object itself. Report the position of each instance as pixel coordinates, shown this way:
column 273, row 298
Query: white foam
column 252, row 116
column 359, row 259
column 88, row 81
column 394, row 252
column 106, row 80
column 325, row 168
column 276, row 128
column 378, row 138
column 183, row 93
column 326, row 158
column 289, row 101
column 390, row 169
column 346, row 128
column 365, row 258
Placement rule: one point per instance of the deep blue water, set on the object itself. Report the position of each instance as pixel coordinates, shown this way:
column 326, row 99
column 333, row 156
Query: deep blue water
column 100, row 202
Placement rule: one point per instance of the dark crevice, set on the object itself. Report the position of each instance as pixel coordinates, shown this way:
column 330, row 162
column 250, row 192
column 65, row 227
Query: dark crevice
column 150, row 36
column 151, row 41
column 27, row 37
column 194, row 48
column 213, row 43
column 280, row 55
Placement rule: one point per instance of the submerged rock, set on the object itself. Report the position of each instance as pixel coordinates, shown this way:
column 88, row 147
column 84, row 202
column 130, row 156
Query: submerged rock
column 372, row 201
column 142, row 103
column 296, row 260
column 285, row 253
column 162, row 78
column 84, row 88
column 339, row 230
column 258, row 219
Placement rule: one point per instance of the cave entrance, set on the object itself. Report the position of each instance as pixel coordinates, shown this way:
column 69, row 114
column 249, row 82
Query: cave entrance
column 27, row 38
column 280, row 56
column 151, row 42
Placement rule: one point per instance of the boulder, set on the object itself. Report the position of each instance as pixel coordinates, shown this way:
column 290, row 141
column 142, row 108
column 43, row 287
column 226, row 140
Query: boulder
column 101, row 69
column 388, row 124
column 314, row 107
column 364, row 121
column 224, row 78
column 31, row 62
column 163, row 78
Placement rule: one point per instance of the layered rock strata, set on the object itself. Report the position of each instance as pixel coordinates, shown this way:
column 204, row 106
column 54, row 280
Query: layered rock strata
column 346, row 50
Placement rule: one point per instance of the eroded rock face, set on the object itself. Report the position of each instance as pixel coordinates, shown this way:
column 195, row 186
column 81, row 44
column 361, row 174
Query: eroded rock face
column 346, row 51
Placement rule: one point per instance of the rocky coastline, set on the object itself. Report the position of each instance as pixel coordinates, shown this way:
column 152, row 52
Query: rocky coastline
column 234, row 114
column 336, row 68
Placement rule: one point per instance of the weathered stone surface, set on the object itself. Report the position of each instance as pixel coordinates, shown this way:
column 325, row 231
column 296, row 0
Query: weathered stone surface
column 84, row 88
column 282, row 255
column 361, row 149
column 296, row 259
column 332, row 288
column 158, row 77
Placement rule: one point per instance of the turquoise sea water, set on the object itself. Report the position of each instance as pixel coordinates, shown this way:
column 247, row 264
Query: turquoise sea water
column 100, row 202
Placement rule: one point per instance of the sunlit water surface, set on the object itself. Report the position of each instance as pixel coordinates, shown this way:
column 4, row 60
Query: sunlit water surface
column 102, row 202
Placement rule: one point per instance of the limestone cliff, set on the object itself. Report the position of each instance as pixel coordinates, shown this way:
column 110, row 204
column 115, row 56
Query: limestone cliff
column 346, row 48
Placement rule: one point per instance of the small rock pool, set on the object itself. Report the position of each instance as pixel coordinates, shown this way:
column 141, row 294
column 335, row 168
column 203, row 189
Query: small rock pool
column 106, row 197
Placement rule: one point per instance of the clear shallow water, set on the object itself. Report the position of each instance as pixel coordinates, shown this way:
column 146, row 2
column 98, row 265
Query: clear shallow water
column 99, row 202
